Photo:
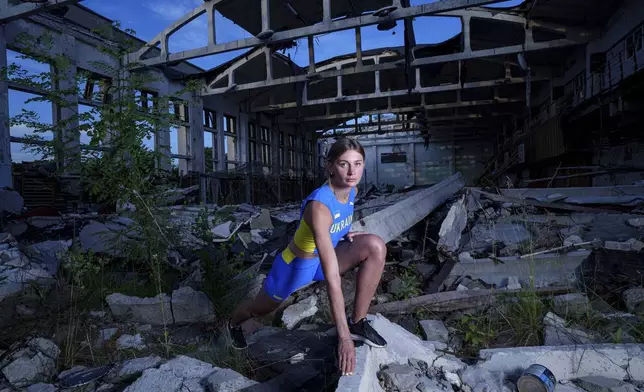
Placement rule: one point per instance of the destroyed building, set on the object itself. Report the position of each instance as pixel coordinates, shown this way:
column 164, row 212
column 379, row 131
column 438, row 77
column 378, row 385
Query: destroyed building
column 504, row 170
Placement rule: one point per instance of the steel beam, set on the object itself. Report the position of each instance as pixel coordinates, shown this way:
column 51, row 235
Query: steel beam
column 10, row 12
column 395, row 93
column 328, row 26
column 407, row 109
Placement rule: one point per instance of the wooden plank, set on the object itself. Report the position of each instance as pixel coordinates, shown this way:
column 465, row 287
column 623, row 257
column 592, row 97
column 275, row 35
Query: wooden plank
column 450, row 301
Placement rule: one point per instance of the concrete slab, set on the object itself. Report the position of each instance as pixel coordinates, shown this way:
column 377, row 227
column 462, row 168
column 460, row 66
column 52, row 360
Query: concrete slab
column 599, row 191
column 394, row 220
column 566, row 362
column 545, row 270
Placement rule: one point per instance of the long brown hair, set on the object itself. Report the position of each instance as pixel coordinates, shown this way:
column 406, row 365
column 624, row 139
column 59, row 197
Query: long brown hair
column 338, row 148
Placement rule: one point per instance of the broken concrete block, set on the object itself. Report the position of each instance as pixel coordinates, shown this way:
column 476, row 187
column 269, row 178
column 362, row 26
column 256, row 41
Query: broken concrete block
column 187, row 367
column 604, row 384
column 396, row 219
column 565, row 362
column 48, row 254
column 435, row 330
column 571, row 304
column 557, row 334
column 155, row 311
column 483, row 236
column 513, row 283
column 481, row 380
column 636, row 245
column 510, row 250
column 573, row 230
column 222, row 230
column 156, row 380
column 263, row 221
column 130, row 342
column 572, row 240
column 634, row 300
column 36, row 363
column 42, row 387
column 452, row 227
column 134, row 367
column 228, row 380
column 636, row 222
column 98, row 238
column 24, row 311
column 398, row 377
column 619, row 246
column 299, row 311
column 190, row 306
column 11, row 201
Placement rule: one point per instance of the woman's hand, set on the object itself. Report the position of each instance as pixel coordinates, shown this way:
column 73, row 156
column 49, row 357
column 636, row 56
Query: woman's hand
column 352, row 234
column 347, row 356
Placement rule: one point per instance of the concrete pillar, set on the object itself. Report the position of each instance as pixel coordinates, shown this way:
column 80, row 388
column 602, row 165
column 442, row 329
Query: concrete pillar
column 185, row 142
column 6, row 179
column 162, row 140
column 221, row 165
column 198, row 163
column 66, row 80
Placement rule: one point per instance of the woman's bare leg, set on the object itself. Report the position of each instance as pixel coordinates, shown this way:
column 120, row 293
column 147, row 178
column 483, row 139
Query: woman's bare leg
column 259, row 306
column 367, row 251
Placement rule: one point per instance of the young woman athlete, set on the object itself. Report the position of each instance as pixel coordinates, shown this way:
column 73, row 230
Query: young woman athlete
column 324, row 249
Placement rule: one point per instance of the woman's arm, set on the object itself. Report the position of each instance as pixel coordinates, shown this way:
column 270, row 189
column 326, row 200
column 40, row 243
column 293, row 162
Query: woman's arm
column 320, row 220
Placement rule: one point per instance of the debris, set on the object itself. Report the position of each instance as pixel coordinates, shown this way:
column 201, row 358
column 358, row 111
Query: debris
column 527, row 202
column 435, row 330
column 424, row 269
column 107, row 334
column 134, row 367
column 128, row 341
column 43, row 222
column 636, row 245
column 228, row 380
column 36, row 363
column 634, row 300
column 174, row 196
column 156, row 380
column 24, row 311
column 557, row 334
column 481, row 380
column 453, row 226
column 299, row 311
column 190, row 306
column 11, row 201
column 513, row 283
column 604, row 384
column 263, row 221
column 455, row 300
column 42, row 387
column 155, row 311
column 222, row 230
column 571, row 304
column 610, row 360
column 573, row 240
column 484, row 236
column 48, row 254
column 636, row 222
column 394, row 220
column 631, row 245
column 98, row 238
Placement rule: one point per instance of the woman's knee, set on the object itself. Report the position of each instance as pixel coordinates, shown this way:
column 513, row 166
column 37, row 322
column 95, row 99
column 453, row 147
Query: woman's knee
column 376, row 246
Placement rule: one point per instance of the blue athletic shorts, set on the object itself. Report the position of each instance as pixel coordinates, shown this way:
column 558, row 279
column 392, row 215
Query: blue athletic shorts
column 287, row 277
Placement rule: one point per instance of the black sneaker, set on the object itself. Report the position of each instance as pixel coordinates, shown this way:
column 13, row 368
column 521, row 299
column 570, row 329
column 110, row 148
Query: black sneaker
column 364, row 332
column 237, row 336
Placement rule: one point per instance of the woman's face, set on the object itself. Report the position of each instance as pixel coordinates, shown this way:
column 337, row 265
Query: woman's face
column 347, row 169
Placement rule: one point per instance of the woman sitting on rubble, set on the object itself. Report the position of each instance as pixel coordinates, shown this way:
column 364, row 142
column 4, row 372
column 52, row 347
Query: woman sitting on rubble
column 324, row 249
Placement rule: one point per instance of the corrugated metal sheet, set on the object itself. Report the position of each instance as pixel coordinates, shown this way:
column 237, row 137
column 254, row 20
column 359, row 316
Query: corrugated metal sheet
column 548, row 140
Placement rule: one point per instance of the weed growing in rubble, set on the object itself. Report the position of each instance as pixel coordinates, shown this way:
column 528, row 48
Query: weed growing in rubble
column 525, row 318
column 409, row 286
column 478, row 332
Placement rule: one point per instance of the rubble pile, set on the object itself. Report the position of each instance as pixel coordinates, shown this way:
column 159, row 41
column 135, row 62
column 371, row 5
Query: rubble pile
column 477, row 287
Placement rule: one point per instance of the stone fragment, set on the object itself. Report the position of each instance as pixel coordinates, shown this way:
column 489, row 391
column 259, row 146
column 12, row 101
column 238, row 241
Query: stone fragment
column 190, row 306
column 130, row 342
column 42, row 387
column 618, row 246
column 572, row 240
column 557, row 334
column 228, row 380
column 299, row 311
column 571, row 304
column 634, row 300
column 24, row 311
column 156, row 380
column 222, row 230
column 481, row 380
column 435, row 330
column 186, row 367
column 452, row 227
column 604, row 384
column 43, row 222
column 155, row 311
column 11, row 201
column 397, row 377
column 513, row 283
column 134, row 367
column 35, row 364
column 263, row 221
column 98, row 238
column 108, row 333
column 636, row 222
column 636, row 245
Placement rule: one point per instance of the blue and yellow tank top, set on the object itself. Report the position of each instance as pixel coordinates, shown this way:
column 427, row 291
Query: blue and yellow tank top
column 342, row 214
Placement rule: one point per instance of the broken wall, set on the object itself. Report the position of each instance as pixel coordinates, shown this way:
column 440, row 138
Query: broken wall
column 404, row 161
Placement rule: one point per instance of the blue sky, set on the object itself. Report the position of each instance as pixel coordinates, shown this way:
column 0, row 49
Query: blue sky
column 148, row 17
